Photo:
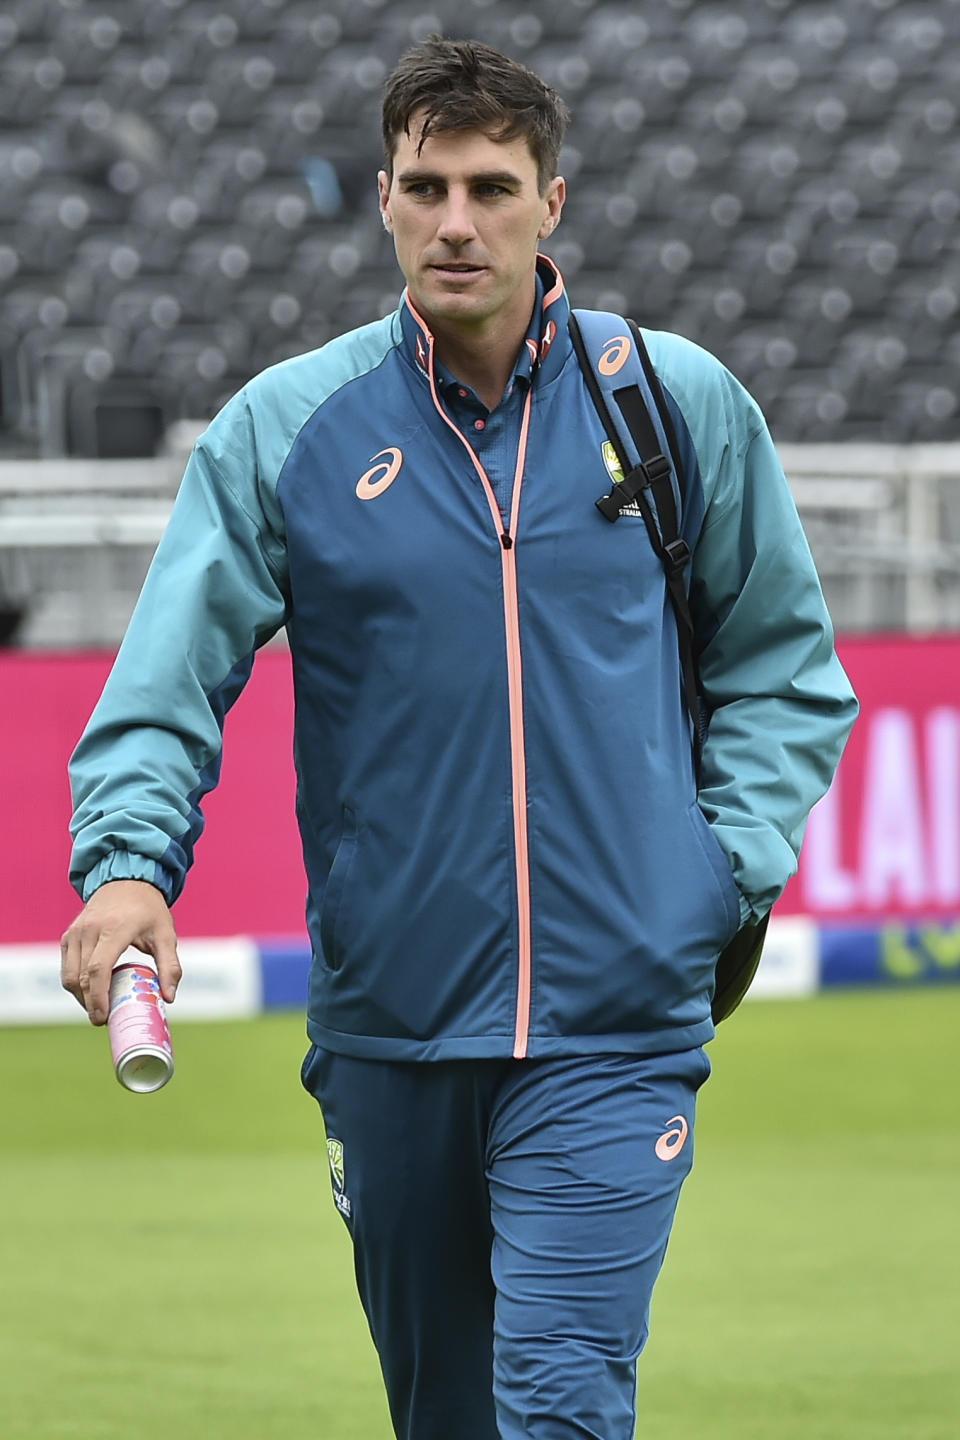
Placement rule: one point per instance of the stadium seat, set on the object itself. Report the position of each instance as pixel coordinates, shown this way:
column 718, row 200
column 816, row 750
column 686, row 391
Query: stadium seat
column 47, row 361
column 24, row 20
column 115, row 419
column 733, row 168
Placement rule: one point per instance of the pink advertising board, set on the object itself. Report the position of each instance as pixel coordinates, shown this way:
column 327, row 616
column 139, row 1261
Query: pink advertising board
column 884, row 844
column 248, row 875
column 885, row 841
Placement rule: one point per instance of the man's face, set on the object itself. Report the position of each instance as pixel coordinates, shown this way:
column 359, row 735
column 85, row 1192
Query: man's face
column 466, row 218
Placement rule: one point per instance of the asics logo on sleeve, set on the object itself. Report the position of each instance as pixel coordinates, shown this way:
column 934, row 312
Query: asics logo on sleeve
column 380, row 477
column 672, row 1141
column 614, row 355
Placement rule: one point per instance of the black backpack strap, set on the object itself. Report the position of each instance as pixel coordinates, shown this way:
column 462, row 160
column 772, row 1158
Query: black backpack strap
column 650, row 478
column 636, row 478
column 663, row 409
column 737, row 964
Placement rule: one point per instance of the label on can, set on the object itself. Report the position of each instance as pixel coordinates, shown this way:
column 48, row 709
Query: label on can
column 140, row 1041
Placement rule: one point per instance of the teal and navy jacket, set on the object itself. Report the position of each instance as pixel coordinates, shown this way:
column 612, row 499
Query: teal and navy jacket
column 505, row 849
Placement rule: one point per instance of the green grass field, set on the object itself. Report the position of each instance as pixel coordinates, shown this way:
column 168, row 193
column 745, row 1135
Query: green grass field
column 172, row 1266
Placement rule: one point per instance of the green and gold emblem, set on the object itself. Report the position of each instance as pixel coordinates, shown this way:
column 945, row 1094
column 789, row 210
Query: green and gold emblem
column 335, row 1152
column 611, row 462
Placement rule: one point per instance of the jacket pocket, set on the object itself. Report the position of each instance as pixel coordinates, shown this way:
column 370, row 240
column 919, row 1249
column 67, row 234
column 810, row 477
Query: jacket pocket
column 306, row 1069
column 724, row 884
column 333, row 909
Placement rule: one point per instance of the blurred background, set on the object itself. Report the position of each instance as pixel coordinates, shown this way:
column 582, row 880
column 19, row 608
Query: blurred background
column 187, row 195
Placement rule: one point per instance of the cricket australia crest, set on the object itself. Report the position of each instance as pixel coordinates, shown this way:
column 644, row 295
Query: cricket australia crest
column 335, row 1154
column 615, row 471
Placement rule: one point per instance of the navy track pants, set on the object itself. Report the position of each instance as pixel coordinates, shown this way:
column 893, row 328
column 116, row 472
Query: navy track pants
column 509, row 1219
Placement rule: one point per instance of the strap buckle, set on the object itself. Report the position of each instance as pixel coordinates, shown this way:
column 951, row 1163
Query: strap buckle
column 609, row 505
column 642, row 477
column 656, row 468
column 677, row 553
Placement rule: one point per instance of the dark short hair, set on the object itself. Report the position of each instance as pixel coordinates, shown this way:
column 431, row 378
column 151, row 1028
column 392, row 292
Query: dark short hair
column 463, row 85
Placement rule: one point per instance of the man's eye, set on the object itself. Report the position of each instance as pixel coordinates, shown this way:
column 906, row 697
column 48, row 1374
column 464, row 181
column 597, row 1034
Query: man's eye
column 492, row 190
column 422, row 190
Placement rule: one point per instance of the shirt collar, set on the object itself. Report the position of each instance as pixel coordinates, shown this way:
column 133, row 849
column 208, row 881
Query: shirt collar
column 545, row 345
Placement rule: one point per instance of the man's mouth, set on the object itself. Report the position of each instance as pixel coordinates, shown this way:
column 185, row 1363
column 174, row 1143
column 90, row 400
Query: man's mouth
column 456, row 267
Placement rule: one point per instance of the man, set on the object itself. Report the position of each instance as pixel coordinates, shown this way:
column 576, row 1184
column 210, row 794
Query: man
column 516, row 896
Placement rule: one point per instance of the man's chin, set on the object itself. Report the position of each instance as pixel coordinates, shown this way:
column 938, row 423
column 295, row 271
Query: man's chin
column 445, row 303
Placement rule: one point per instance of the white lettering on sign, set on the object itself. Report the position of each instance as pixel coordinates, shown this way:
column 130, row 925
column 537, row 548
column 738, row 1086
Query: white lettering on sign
column 943, row 789
column 893, row 863
column 903, row 843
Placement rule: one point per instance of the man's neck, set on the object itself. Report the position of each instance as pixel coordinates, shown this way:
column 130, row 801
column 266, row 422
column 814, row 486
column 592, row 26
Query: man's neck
column 484, row 363
column 484, row 357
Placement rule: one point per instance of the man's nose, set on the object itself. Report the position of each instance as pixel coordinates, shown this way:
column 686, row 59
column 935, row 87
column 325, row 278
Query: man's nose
column 456, row 221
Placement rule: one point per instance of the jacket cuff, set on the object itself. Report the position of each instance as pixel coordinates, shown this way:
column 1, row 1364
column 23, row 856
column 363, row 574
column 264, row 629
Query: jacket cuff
column 125, row 865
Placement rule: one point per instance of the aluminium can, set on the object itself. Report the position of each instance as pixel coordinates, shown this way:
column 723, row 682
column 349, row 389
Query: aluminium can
column 140, row 1043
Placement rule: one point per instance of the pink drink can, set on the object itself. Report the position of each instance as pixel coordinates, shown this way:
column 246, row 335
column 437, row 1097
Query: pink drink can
column 140, row 1041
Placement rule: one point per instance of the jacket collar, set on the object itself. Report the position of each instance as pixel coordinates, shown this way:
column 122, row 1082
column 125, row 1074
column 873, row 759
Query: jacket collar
column 544, row 350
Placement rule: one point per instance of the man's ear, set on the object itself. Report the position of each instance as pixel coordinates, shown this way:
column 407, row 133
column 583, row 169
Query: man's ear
column 383, row 189
column 554, row 198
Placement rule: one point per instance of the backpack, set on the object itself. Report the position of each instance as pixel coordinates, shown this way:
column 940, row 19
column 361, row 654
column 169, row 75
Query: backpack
column 614, row 369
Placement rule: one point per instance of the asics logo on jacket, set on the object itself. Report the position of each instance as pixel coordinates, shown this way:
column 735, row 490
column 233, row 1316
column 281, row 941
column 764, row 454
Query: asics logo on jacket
column 380, row 476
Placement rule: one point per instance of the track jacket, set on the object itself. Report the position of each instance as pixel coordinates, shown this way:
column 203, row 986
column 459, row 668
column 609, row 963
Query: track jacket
column 504, row 846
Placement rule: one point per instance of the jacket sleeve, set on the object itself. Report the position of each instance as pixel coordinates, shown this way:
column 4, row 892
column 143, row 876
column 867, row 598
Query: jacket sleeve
column 778, row 704
column 215, row 591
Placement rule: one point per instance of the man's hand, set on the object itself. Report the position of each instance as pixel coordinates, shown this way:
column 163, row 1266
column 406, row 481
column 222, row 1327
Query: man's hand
column 119, row 914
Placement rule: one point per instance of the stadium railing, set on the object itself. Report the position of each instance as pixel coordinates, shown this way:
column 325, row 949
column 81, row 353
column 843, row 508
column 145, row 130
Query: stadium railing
column 76, row 536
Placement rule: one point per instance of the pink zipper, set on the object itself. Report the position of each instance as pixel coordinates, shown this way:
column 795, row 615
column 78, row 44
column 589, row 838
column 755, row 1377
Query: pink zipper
column 518, row 763
column 511, row 608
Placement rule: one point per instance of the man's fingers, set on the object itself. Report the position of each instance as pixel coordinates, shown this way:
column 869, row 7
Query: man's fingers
column 70, row 964
column 95, row 972
column 87, row 959
column 169, row 972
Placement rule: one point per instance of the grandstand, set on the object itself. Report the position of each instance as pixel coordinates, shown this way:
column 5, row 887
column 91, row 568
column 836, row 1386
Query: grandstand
column 187, row 196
